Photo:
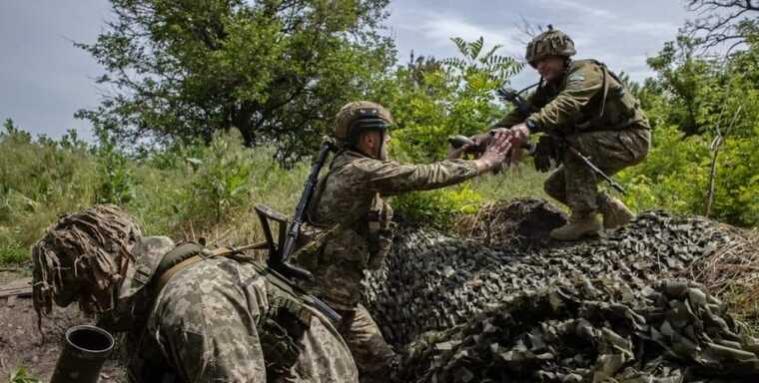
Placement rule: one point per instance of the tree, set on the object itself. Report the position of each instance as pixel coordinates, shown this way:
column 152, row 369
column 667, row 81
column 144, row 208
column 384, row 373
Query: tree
column 688, row 82
column 274, row 69
column 720, row 22
column 432, row 99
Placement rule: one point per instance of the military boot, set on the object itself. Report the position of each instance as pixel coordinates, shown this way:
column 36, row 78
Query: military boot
column 579, row 225
column 615, row 213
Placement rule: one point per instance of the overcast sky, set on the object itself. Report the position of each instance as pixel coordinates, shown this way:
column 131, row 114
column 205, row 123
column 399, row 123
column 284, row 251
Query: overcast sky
column 44, row 79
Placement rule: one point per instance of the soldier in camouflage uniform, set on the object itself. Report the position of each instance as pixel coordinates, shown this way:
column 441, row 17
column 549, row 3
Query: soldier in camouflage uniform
column 350, row 224
column 585, row 104
column 191, row 315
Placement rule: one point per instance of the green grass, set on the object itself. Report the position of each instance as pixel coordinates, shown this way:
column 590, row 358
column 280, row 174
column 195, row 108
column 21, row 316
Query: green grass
column 516, row 182
column 21, row 375
column 190, row 192
column 186, row 192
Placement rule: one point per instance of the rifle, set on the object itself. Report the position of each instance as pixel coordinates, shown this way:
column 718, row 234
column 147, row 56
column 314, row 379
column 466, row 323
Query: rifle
column 288, row 234
column 287, row 237
column 524, row 108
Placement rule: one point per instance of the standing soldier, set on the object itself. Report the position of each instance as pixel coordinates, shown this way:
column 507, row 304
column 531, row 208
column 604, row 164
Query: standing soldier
column 586, row 106
column 350, row 225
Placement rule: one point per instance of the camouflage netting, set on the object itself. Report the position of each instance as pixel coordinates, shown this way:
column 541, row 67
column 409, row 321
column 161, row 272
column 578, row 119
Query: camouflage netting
column 599, row 331
column 548, row 311
column 432, row 282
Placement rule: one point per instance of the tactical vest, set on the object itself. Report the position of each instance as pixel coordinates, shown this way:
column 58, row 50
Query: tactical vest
column 613, row 108
column 376, row 227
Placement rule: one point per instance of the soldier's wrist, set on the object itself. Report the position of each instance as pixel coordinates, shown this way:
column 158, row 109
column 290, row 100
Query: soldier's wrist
column 484, row 165
column 532, row 126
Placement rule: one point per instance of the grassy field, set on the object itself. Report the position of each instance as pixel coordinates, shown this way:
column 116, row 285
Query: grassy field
column 187, row 193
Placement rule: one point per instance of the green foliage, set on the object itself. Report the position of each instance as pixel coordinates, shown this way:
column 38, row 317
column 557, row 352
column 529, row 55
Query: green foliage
column 441, row 207
column 21, row 375
column 11, row 252
column 222, row 182
column 116, row 181
column 39, row 179
column 431, row 100
column 184, row 191
column 275, row 70
column 676, row 174
column 690, row 83
column 695, row 102
column 518, row 181
column 437, row 207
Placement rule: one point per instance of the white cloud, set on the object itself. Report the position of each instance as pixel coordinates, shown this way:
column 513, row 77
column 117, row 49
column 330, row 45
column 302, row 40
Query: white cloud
column 439, row 29
column 652, row 28
column 576, row 7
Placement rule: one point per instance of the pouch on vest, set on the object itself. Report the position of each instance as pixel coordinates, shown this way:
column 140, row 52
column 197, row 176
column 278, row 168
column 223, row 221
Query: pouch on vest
column 311, row 243
column 381, row 232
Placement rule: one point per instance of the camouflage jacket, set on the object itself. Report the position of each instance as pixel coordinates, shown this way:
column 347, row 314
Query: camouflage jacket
column 589, row 97
column 222, row 319
column 350, row 228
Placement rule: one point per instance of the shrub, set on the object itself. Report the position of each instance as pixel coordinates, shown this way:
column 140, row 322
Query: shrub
column 437, row 207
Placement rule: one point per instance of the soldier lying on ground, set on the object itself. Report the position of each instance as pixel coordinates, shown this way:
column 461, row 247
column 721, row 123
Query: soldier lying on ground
column 350, row 225
column 585, row 105
column 189, row 315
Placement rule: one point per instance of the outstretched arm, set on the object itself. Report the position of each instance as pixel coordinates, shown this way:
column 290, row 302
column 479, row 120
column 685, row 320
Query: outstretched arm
column 388, row 177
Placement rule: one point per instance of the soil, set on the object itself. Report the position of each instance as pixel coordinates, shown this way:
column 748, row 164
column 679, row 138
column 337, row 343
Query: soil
column 22, row 344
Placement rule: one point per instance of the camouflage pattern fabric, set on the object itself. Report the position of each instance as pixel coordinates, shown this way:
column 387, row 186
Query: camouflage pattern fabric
column 366, row 343
column 591, row 109
column 212, row 322
column 597, row 330
column 588, row 98
column 218, row 320
column 354, row 232
column 549, row 43
column 346, row 197
column 575, row 184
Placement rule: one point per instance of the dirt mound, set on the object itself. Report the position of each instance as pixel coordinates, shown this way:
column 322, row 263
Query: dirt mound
column 528, row 220
column 600, row 331
column 433, row 282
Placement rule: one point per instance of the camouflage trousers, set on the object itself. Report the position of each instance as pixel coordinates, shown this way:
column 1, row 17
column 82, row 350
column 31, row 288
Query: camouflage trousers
column 576, row 185
column 371, row 352
column 205, row 325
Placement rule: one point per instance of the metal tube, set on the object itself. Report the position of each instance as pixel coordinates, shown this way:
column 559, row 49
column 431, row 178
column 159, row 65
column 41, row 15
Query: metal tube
column 85, row 350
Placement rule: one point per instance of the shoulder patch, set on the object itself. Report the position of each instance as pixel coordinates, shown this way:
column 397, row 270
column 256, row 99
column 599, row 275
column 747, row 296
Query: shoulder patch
column 576, row 77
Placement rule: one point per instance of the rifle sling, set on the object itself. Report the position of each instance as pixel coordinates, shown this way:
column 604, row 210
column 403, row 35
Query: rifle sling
column 166, row 276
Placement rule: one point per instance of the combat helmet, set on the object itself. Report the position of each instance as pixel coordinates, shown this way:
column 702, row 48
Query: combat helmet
column 357, row 117
column 552, row 42
column 81, row 253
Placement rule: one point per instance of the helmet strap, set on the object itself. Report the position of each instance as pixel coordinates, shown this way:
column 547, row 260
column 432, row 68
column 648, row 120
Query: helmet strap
column 381, row 144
